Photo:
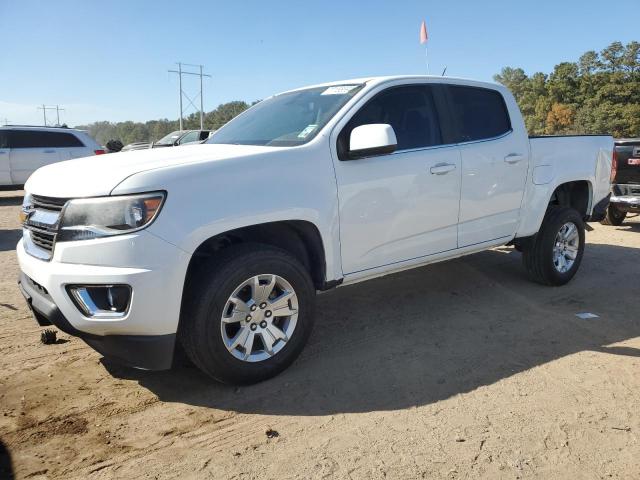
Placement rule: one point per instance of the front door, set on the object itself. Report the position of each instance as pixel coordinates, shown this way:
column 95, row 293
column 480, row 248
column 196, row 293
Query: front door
column 403, row 205
column 5, row 165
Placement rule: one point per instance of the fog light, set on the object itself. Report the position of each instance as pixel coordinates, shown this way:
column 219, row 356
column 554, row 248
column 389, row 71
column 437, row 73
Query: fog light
column 101, row 301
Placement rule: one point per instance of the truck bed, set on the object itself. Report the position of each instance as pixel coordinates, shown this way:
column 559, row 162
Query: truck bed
column 588, row 156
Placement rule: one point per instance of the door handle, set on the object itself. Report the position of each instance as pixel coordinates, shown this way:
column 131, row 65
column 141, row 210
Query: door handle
column 49, row 151
column 513, row 158
column 442, row 168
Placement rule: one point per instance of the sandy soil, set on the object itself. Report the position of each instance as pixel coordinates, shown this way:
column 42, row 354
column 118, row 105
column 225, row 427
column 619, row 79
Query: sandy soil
column 463, row 369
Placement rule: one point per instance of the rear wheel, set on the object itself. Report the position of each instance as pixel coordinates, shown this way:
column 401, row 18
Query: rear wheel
column 614, row 216
column 248, row 314
column 554, row 254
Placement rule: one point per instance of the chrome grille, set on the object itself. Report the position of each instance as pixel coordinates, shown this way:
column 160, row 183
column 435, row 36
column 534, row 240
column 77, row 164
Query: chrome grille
column 48, row 203
column 41, row 225
column 42, row 238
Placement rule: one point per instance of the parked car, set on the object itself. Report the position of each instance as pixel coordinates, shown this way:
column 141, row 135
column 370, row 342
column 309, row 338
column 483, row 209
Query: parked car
column 625, row 181
column 24, row 149
column 222, row 246
column 136, row 146
column 181, row 137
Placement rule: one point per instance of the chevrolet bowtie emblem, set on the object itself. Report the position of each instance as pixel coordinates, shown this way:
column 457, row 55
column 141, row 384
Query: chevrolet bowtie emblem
column 25, row 213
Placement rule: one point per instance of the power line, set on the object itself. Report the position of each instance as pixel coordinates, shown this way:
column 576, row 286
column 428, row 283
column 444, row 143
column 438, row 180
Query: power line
column 44, row 109
column 182, row 93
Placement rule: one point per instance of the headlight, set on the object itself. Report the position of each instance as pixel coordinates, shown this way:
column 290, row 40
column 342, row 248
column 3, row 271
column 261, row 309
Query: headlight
column 88, row 218
column 26, row 206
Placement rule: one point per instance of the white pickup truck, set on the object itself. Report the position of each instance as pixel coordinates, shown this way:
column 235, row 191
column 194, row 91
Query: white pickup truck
column 221, row 247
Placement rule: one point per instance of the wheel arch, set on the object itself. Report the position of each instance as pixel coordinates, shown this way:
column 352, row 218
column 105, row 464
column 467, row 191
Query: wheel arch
column 300, row 238
column 575, row 193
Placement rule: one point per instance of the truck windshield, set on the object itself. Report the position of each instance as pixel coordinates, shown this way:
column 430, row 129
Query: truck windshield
column 288, row 119
column 171, row 138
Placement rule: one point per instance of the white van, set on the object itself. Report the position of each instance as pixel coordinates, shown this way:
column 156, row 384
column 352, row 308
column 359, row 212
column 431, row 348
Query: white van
column 25, row 149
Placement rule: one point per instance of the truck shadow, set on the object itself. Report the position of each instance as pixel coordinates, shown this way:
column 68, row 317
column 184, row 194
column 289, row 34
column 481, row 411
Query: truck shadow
column 429, row 334
column 11, row 200
column 631, row 227
column 6, row 465
column 9, row 239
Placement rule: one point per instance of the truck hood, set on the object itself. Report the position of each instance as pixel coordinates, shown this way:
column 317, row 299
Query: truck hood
column 99, row 175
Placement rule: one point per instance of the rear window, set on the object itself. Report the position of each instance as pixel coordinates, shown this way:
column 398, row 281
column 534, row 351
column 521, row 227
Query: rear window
column 42, row 139
column 479, row 113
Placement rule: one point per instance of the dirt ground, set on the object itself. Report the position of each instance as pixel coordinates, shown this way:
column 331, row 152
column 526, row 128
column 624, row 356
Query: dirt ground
column 463, row 369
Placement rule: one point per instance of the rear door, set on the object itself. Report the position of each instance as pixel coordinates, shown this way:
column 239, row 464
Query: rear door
column 5, row 165
column 30, row 150
column 494, row 164
column 69, row 145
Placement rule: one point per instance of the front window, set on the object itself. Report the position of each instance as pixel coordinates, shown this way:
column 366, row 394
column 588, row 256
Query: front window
column 288, row 119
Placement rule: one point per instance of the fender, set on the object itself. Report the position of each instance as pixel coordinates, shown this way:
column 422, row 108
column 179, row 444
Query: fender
column 537, row 199
column 206, row 199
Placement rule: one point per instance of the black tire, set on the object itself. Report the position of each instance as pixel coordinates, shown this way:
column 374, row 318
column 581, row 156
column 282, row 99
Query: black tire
column 614, row 216
column 205, row 299
column 538, row 254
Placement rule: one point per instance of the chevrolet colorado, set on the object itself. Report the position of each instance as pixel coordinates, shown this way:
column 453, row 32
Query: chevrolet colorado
column 221, row 247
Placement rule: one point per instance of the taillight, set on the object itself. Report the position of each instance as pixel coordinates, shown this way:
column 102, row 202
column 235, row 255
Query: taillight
column 614, row 165
column 99, row 152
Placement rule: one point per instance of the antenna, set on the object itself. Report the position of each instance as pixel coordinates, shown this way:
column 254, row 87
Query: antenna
column 444, row 71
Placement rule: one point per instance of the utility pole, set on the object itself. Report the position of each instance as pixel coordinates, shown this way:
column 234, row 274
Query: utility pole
column 201, row 102
column 44, row 109
column 44, row 113
column 182, row 93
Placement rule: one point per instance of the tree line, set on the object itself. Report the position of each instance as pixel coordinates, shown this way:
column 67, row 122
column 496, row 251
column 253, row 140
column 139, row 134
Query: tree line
column 600, row 93
column 154, row 130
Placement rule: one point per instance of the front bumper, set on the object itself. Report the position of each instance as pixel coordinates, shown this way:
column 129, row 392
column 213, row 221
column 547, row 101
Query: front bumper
column 150, row 352
column 154, row 269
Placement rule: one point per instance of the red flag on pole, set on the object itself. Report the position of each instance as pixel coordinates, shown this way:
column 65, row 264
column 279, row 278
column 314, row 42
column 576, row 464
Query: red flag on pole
column 423, row 33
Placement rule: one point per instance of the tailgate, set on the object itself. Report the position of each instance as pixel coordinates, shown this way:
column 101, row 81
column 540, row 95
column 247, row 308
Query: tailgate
column 628, row 155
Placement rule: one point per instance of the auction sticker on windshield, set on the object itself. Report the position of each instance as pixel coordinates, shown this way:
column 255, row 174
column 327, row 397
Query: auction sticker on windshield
column 307, row 130
column 339, row 89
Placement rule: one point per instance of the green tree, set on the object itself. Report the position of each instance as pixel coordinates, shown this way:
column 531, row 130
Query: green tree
column 600, row 93
column 153, row 130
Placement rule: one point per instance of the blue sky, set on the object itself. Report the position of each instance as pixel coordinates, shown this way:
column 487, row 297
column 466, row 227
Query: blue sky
column 108, row 60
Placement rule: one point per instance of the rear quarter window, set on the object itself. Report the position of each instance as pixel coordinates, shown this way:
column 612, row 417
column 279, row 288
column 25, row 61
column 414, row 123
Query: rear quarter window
column 478, row 113
column 36, row 139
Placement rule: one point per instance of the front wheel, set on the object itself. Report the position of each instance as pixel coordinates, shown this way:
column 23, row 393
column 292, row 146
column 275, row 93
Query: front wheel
column 554, row 255
column 614, row 216
column 248, row 314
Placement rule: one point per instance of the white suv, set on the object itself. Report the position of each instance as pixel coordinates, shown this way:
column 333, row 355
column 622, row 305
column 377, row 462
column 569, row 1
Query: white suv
column 25, row 149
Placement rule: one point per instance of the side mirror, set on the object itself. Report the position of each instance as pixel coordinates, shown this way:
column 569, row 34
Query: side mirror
column 372, row 139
